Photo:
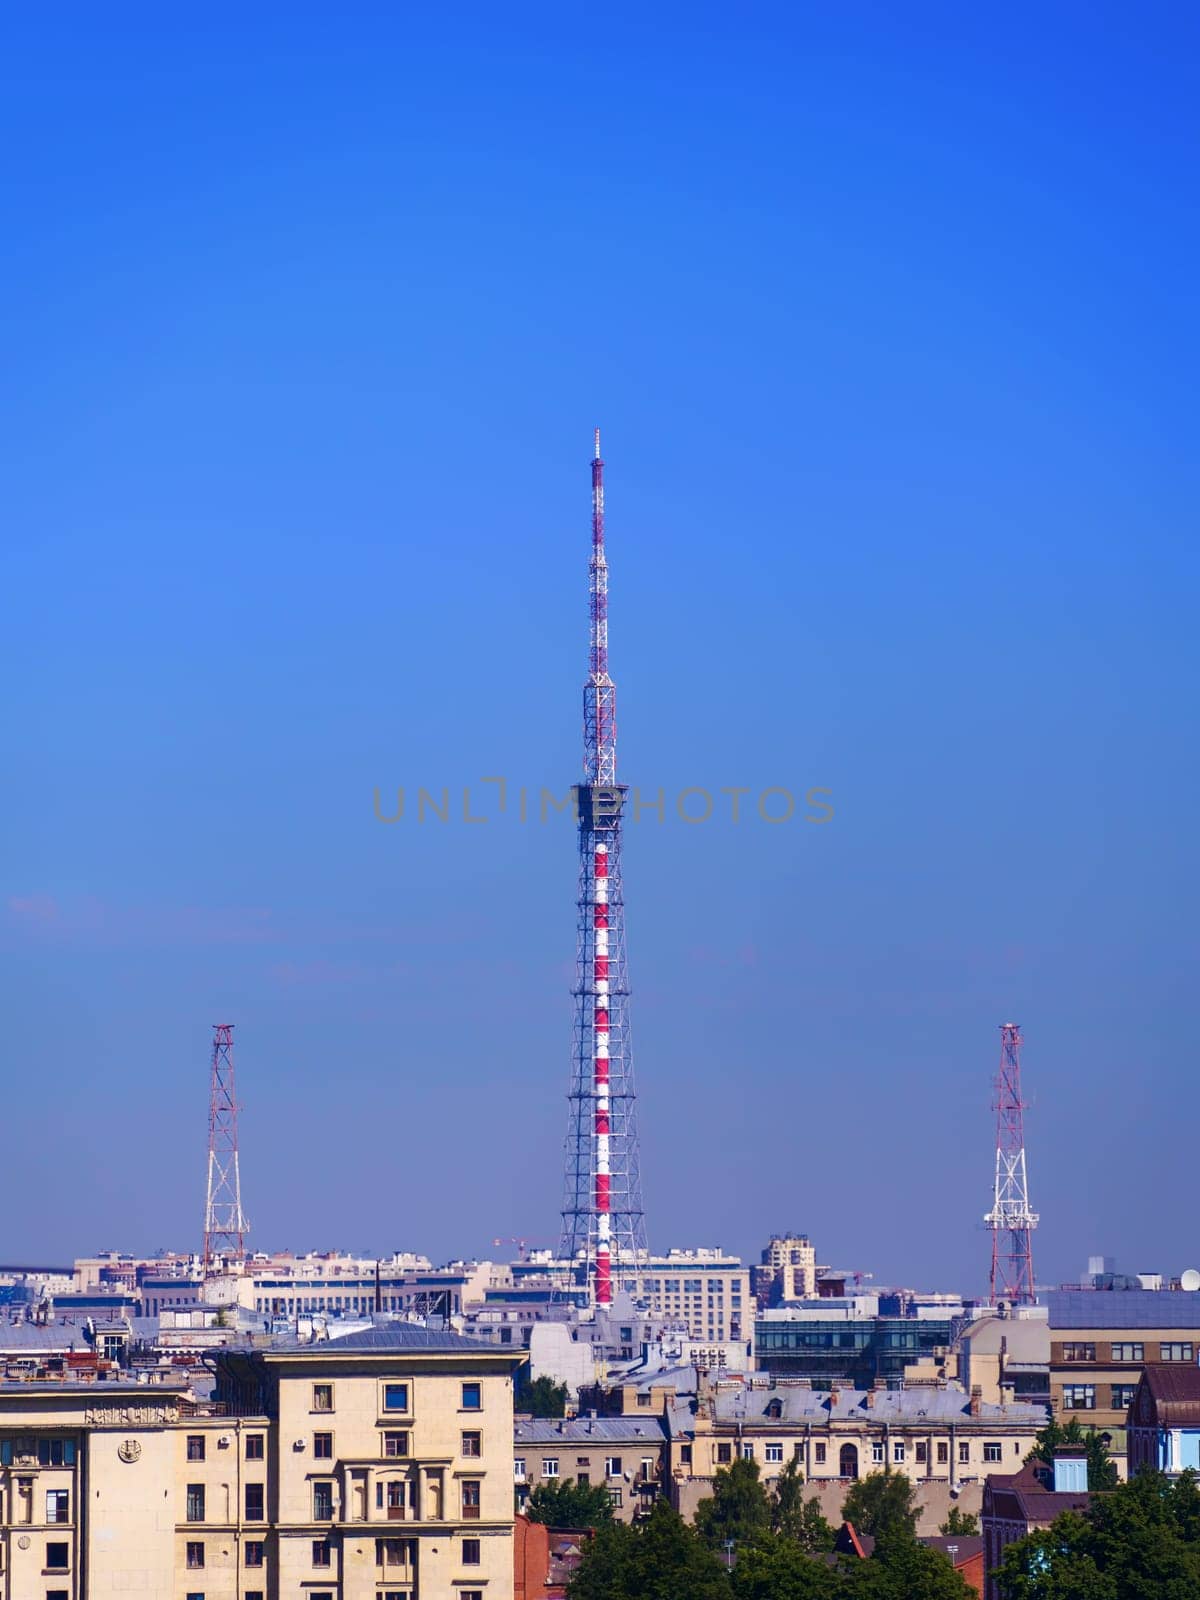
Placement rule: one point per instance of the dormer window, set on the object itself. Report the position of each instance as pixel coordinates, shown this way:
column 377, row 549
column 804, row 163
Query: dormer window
column 775, row 1409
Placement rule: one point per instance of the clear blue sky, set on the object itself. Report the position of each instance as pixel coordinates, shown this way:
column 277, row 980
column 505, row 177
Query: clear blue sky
column 889, row 317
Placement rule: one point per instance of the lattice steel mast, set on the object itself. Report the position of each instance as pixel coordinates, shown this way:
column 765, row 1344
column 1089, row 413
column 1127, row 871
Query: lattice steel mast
column 1010, row 1219
column 225, row 1224
column 603, row 1224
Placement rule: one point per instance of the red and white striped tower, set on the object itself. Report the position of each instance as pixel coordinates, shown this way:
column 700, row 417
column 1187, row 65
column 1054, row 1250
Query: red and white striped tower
column 1011, row 1220
column 603, row 1223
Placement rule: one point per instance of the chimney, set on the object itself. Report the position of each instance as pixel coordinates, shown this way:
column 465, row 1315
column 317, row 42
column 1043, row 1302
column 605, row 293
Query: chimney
column 976, row 1405
column 833, row 1396
column 877, row 1388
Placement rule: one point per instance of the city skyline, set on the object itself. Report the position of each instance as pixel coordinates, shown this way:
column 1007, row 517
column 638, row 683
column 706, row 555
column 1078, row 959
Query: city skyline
column 305, row 362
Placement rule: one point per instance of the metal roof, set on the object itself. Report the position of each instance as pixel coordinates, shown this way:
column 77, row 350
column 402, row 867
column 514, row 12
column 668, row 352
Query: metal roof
column 588, row 1430
column 397, row 1338
column 1123, row 1308
column 752, row 1408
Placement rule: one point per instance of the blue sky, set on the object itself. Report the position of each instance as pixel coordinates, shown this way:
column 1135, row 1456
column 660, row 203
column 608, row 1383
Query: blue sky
column 889, row 319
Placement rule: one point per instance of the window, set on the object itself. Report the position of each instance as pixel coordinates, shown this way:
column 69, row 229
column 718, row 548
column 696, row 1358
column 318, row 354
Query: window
column 773, row 1452
column 195, row 1554
column 323, row 1446
column 747, row 1450
column 252, row 1552
column 322, row 1397
column 395, row 1397
column 549, row 1466
column 54, row 1453
column 395, row 1444
column 615, row 1496
column 922, row 1453
column 943, row 1452
column 1122, row 1396
column 467, row 1594
column 519, row 1469
column 56, row 1557
column 322, row 1554
column 254, row 1447
column 58, row 1594
column 391, row 1552
column 1175, row 1352
column 877, row 1450
column 1079, row 1397
column 254, row 1594
column 195, row 1447
column 1129, row 1352
column 195, row 1502
column 472, row 1444
column 472, row 1397
column 58, row 1505
column 470, row 1499
column 322, row 1502
column 724, row 1454
column 964, row 1452
column 255, row 1502
column 612, row 1466
column 898, row 1450
column 819, row 1455
column 992, row 1451
column 1079, row 1352
column 470, row 1555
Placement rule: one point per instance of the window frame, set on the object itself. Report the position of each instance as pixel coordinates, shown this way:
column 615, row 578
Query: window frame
column 318, row 1408
column 471, row 1386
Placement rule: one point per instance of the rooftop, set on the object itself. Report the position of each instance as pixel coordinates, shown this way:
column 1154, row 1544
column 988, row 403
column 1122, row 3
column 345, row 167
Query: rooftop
column 1123, row 1308
column 589, row 1430
column 391, row 1338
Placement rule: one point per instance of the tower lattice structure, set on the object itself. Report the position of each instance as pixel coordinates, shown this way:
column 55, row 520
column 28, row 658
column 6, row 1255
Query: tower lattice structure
column 1011, row 1220
column 225, row 1224
column 603, row 1222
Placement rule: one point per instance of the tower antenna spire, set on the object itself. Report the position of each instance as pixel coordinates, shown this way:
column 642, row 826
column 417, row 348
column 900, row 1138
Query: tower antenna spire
column 1011, row 1220
column 603, row 1222
column 225, row 1224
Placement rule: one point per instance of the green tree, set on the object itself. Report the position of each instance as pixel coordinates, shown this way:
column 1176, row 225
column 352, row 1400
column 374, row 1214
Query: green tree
column 782, row 1570
column 738, row 1508
column 567, row 1504
column 1135, row 1542
column 882, row 1503
column 795, row 1518
column 540, row 1397
column 960, row 1522
column 902, row 1568
column 1102, row 1470
column 661, row 1559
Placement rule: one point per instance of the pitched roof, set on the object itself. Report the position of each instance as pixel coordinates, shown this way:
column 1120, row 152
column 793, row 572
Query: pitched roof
column 754, row 1406
column 589, row 1430
column 390, row 1338
column 1176, row 1391
column 1023, row 1497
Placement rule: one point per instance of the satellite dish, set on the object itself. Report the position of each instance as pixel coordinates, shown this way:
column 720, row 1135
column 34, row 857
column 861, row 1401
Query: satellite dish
column 1190, row 1279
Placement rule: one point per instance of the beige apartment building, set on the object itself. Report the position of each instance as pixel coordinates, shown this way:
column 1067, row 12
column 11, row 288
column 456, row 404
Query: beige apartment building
column 625, row 1455
column 704, row 1291
column 932, row 1435
column 374, row 1467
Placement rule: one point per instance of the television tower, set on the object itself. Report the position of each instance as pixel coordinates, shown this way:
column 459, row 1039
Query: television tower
column 225, row 1224
column 1010, row 1219
column 603, row 1224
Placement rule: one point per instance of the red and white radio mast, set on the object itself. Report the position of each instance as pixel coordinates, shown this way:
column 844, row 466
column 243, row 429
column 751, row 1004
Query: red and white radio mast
column 225, row 1225
column 1010, row 1219
column 603, row 1223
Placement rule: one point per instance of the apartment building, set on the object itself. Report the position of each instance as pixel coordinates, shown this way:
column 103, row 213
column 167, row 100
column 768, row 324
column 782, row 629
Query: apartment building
column 1100, row 1340
column 374, row 1467
column 936, row 1434
column 627, row 1455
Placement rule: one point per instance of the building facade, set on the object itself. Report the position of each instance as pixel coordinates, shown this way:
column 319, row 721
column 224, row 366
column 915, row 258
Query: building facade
column 375, row 1467
column 929, row 1434
column 626, row 1455
column 1100, row 1340
column 1164, row 1421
